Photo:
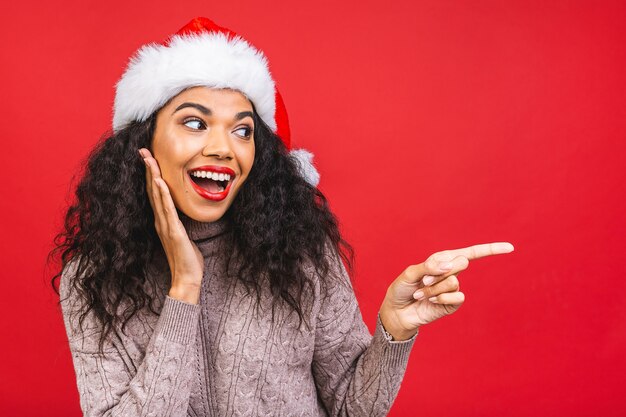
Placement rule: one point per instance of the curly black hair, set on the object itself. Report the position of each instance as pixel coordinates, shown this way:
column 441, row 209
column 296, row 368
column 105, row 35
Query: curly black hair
column 278, row 221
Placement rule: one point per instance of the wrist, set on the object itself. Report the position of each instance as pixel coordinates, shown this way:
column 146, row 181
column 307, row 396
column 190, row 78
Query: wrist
column 391, row 325
column 187, row 293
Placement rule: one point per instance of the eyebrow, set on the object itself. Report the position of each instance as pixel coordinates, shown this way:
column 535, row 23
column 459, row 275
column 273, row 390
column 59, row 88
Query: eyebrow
column 208, row 112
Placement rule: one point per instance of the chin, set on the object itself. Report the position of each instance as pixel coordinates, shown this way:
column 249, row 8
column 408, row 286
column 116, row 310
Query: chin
column 206, row 215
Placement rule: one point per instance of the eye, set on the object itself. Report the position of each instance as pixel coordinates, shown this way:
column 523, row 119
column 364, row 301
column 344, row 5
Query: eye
column 193, row 123
column 247, row 131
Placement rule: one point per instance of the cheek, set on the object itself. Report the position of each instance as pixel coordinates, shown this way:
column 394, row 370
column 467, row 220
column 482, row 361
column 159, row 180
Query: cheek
column 250, row 157
column 171, row 157
column 245, row 157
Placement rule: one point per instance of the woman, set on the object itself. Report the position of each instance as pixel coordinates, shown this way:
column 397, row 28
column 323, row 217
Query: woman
column 206, row 277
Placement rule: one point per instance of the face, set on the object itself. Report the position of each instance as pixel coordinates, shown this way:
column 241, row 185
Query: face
column 204, row 144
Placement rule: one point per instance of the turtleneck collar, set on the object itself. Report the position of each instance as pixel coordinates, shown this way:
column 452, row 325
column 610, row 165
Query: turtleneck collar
column 203, row 230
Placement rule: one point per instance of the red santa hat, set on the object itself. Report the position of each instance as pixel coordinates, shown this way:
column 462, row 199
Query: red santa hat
column 202, row 53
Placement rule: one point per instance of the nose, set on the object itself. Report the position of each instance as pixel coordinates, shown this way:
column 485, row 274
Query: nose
column 218, row 144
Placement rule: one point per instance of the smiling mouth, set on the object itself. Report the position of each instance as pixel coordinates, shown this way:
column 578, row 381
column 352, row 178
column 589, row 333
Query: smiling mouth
column 208, row 183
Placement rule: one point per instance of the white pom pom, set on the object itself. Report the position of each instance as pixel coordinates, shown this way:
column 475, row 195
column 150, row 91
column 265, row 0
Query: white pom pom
column 304, row 159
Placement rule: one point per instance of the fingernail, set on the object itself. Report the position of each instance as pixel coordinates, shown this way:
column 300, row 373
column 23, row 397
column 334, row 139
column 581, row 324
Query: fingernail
column 427, row 280
column 433, row 299
column 418, row 295
column 140, row 154
column 446, row 266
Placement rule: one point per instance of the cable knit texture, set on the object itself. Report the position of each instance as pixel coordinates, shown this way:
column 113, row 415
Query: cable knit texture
column 223, row 357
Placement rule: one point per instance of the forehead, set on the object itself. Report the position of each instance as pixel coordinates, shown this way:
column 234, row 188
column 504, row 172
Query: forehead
column 214, row 98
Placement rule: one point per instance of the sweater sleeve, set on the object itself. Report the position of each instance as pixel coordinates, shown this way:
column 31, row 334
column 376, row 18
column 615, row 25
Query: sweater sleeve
column 110, row 384
column 356, row 374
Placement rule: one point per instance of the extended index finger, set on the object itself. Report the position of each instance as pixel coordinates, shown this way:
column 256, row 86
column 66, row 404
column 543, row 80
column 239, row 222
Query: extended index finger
column 482, row 250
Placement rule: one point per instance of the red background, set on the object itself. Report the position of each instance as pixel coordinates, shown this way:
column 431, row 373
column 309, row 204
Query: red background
column 435, row 125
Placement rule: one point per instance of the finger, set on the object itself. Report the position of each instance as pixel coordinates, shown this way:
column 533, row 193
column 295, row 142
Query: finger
column 152, row 175
column 155, row 171
column 480, row 251
column 169, row 209
column 414, row 273
column 452, row 298
column 450, row 284
column 458, row 264
column 149, row 183
column 159, row 215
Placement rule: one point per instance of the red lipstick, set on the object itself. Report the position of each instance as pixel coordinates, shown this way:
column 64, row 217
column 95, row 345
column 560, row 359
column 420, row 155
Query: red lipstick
column 205, row 193
column 214, row 168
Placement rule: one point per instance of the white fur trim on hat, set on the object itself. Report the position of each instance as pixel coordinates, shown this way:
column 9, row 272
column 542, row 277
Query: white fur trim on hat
column 156, row 73
column 304, row 159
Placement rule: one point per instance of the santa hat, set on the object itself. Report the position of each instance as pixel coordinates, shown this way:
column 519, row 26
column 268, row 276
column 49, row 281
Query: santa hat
column 202, row 53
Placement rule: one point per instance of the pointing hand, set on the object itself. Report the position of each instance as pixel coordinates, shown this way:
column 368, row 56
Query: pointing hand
column 430, row 290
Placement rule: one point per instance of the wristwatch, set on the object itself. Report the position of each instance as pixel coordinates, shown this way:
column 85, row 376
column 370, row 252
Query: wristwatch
column 387, row 335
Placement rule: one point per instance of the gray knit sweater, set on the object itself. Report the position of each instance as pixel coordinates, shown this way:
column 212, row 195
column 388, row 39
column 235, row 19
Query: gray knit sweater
column 222, row 357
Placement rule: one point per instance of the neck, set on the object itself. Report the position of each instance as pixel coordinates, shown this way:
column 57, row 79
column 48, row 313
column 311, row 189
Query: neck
column 198, row 230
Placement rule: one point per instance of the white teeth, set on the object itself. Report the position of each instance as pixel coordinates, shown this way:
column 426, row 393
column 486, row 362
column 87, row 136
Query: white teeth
column 211, row 175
